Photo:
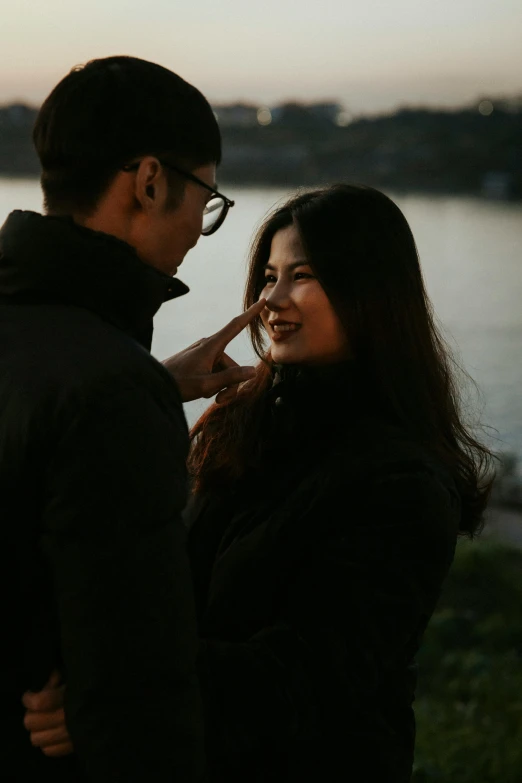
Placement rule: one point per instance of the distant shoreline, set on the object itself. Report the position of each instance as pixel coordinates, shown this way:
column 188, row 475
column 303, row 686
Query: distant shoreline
column 267, row 184
column 474, row 151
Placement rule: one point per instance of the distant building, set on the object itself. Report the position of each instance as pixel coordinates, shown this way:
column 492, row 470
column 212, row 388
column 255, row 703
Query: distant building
column 293, row 110
column 18, row 115
column 510, row 104
column 246, row 115
column 236, row 115
column 328, row 111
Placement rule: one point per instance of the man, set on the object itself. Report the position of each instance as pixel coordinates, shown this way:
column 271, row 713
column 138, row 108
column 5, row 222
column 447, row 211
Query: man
column 93, row 439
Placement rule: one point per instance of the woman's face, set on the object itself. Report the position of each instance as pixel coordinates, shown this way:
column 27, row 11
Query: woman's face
column 302, row 325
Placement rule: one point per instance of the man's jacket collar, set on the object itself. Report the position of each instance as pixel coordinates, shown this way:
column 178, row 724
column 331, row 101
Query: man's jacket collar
column 52, row 259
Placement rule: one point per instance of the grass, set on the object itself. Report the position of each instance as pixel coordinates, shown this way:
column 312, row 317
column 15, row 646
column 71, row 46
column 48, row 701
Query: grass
column 469, row 700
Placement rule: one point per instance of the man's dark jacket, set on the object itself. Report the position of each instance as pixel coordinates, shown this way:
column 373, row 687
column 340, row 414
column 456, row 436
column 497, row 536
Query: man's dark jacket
column 93, row 443
column 315, row 576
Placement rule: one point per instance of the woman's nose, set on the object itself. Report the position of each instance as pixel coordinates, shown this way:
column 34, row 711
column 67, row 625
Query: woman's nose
column 271, row 305
column 278, row 298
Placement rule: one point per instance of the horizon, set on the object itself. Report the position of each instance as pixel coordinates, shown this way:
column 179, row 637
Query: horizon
column 329, row 99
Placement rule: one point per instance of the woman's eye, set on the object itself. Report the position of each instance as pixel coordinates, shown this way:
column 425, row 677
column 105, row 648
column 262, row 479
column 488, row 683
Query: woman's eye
column 271, row 279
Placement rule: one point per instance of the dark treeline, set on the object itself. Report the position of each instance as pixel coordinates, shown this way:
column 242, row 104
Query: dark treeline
column 475, row 150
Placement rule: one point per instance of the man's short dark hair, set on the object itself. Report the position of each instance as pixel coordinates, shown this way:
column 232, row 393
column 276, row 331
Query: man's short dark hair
column 109, row 111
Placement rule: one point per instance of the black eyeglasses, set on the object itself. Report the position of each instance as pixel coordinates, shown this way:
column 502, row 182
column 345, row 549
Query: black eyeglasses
column 216, row 208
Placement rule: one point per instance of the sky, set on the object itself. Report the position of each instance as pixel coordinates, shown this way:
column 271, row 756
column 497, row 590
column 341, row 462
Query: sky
column 370, row 55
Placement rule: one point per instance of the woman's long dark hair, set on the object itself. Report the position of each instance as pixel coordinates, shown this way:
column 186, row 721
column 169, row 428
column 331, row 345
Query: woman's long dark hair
column 361, row 249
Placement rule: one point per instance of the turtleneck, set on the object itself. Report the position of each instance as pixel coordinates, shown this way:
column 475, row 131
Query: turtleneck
column 55, row 260
column 307, row 405
column 296, row 385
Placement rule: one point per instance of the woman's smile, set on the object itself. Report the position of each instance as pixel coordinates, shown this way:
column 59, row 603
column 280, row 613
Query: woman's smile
column 282, row 330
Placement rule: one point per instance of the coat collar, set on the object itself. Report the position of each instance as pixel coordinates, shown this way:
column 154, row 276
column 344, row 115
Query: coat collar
column 54, row 259
column 306, row 405
column 299, row 386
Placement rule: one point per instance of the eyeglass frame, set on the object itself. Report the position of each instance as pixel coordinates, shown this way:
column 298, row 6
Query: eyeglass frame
column 192, row 177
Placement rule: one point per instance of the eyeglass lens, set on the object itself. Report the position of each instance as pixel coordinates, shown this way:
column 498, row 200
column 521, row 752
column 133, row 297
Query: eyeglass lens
column 212, row 213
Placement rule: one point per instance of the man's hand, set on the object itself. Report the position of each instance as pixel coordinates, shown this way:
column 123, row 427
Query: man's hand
column 204, row 369
column 45, row 718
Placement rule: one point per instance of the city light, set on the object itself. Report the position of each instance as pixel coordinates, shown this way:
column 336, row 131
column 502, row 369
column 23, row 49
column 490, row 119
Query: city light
column 343, row 119
column 264, row 115
column 485, row 108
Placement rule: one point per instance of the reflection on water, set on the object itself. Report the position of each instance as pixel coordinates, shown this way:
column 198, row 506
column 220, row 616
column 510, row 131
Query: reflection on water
column 472, row 261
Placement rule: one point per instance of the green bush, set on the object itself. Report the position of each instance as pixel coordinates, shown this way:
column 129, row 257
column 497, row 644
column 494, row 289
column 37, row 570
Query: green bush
column 469, row 699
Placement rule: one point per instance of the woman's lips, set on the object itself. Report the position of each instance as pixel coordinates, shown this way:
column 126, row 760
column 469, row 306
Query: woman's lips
column 284, row 331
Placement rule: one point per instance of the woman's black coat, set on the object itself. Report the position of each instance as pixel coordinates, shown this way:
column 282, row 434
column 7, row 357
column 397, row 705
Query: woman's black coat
column 315, row 579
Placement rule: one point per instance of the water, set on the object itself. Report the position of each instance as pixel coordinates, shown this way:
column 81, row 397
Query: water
column 471, row 254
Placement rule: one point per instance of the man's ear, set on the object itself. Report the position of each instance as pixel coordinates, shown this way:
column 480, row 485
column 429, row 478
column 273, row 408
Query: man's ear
column 150, row 188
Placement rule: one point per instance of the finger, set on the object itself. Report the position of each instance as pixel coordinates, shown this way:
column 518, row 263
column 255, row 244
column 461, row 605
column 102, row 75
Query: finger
column 224, row 362
column 43, row 701
column 43, row 739
column 175, row 358
column 42, row 721
column 54, row 680
column 236, row 325
column 227, row 395
column 212, row 384
column 55, row 751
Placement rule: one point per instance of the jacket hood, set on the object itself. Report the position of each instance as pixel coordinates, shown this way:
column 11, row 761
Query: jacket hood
column 54, row 259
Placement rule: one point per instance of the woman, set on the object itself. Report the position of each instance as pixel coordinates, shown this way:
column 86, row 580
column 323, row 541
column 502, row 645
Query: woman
column 328, row 496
